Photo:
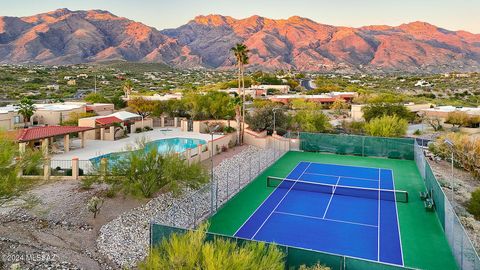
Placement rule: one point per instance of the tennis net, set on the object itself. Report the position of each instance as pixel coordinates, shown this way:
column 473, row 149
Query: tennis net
column 369, row 193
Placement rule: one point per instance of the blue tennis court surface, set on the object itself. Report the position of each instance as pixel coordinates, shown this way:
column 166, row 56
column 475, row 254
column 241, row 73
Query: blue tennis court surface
column 344, row 210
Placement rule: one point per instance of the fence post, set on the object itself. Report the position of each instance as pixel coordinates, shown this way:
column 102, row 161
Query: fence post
column 20, row 172
column 75, row 168
column 103, row 168
column 363, row 146
column 47, row 168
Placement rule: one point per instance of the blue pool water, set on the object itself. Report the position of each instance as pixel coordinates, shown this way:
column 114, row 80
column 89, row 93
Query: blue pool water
column 177, row 145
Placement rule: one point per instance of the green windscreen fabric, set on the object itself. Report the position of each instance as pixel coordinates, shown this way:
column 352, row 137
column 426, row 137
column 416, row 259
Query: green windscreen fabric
column 294, row 257
column 397, row 148
column 160, row 232
column 297, row 257
column 356, row 264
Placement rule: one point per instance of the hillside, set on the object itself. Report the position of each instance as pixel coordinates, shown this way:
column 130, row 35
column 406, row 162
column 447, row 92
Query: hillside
column 71, row 37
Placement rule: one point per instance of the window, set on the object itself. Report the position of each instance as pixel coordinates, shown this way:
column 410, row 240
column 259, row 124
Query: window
column 16, row 119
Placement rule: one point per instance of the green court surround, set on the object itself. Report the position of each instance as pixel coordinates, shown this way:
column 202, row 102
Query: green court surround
column 423, row 240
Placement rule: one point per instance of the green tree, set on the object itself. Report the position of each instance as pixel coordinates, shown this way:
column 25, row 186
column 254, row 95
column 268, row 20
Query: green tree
column 141, row 106
column 96, row 98
column 191, row 250
column 262, row 119
column 310, row 121
column 26, row 109
column 378, row 110
column 118, row 102
column 387, row 126
column 11, row 163
column 458, row 119
column 339, row 105
column 308, row 117
column 127, row 88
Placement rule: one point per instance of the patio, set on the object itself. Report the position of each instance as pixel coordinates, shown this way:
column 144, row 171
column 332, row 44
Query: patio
column 96, row 148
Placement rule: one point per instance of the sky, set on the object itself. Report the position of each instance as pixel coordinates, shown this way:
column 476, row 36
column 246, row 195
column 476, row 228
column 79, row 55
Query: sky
column 162, row 14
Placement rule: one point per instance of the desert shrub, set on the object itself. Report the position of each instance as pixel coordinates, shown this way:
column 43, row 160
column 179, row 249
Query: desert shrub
column 191, row 251
column 387, row 126
column 474, row 204
column 466, row 150
column 143, row 172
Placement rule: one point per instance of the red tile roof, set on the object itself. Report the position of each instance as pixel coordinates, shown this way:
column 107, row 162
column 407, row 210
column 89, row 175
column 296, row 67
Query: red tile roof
column 36, row 133
column 108, row 120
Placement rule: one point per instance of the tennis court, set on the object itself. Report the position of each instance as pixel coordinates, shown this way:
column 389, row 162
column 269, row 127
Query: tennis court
column 346, row 210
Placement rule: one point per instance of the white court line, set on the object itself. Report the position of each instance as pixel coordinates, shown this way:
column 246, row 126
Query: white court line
column 265, row 221
column 398, row 220
column 266, row 199
column 346, row 177
column 327, row 219
column 346, row 165
column 331, row 197
column 379, row 186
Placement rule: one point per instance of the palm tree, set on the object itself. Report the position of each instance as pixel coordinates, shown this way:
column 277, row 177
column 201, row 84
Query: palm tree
column 127, row 88
column 240, row 52
column 26, row 109
column 236, row 103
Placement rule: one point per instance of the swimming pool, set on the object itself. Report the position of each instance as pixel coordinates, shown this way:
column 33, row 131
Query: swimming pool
column 175, row 145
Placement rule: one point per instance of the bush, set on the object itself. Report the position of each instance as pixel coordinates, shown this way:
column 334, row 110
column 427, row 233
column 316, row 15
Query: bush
column 138, row 130
column 474, row 204
column 417, row 132
column 378, row 110
column 144, row 172
column 228, row 130
column 192, row 251
column 387, row 126
column 147, row 128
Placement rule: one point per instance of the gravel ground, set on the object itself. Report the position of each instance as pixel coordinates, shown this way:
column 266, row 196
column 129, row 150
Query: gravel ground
column 464, row 184
column 50, row 228
column 125, row 239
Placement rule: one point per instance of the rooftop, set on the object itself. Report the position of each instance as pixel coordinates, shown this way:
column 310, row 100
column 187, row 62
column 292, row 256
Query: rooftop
column 108, row 120
column 448, row 109
column 36, row 133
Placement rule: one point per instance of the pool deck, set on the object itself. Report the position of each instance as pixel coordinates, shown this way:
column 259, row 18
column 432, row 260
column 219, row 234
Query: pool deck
column 94, row 148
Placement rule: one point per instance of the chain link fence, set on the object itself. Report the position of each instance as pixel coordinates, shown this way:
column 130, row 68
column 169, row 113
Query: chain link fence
column 462, row 248
column 196, row 206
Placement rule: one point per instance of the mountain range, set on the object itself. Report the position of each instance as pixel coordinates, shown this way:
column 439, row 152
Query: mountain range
column 71, row 37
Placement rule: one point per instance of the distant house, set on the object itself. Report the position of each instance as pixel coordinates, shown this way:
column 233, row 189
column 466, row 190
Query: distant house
column 423, row 83
column 72, row 82
column 356, row 111
column 50, row 114
column 82, row 76
column 284, row 89
column 55, row 87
